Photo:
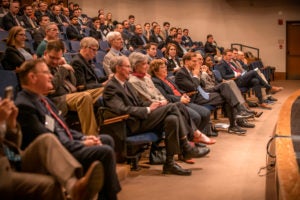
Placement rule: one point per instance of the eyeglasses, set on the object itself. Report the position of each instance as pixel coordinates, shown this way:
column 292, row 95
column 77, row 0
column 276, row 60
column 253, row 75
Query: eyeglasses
column 93, row 49
column 44, row 72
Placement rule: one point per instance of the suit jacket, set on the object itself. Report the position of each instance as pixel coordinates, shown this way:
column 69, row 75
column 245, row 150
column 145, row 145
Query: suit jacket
column 114, row 94
column 32, row 118
column 8, row 21
column 73, row 32
column 166, row 90
column 27, row 24
column 38, row 14
column 210, row 48
column 171, row 64
column 85, row 74
column 185, row 81
column 137, row 42
column 95, row 34
column 12, row 58
column 154, row 38
column 106, row 61
column 225, row 70
column 187, row 41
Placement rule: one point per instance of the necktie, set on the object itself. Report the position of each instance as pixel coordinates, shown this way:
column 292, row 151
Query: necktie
column 59, row 19
column 56, row 117
column 204, row 94
column 17, row 21
column 31, row 22
column 144, row 41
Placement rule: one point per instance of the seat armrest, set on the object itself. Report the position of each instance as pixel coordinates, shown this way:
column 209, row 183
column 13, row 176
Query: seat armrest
column 115, row 119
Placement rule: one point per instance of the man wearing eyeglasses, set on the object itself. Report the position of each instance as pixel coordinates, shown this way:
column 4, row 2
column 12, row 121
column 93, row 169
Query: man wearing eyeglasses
column 51, row 34
column 11, row 18
column 84, row 67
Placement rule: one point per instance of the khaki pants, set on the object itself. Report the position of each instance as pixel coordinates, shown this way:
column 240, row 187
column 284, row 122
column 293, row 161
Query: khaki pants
column 82, row 102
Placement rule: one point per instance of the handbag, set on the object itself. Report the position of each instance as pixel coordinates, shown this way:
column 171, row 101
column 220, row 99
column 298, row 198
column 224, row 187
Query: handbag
column 157, row 155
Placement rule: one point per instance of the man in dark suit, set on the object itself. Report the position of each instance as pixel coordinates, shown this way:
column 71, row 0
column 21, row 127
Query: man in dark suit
column 38, row 115
column 11, row 18
column 32, row 174
column 74, row 31
column 147, row 116
column 187, row 80
column 82, row 64
column 29, row 21
column 43, row 10
column 156, row 38
column 246, row 79
column 138, row 41
column 57, row 17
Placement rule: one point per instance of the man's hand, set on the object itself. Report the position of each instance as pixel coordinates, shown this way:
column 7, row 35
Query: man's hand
column 91, row 140
column 154, row 105
column 185, row 99
column 68, row 67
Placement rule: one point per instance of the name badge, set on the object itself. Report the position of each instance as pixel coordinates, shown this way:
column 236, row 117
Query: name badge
column 49, row 123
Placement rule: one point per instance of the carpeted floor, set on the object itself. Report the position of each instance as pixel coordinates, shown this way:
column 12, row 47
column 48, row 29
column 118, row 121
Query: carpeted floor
column 229, row 172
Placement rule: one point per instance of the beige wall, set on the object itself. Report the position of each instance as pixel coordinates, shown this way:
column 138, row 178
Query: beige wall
column 250, row 22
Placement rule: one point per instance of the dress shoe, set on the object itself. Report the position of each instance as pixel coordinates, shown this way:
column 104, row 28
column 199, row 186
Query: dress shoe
column 265, row 106
column 88, row 186
column 272, row 98
column 237, row 130
column 243, row 115
column 194, row 152
column 258, row 114
column 244, row 123
column 174, row 168
column 199, row 144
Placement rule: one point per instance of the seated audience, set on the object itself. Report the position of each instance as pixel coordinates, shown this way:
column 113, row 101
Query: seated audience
column 74, row 31
column 147, row 30
column 156, row 38
column 16, row 53
column 173, row 63
column 38, row 115
column 29, row 20
column 57, row 18
column 116, row 44
column 43, row 168
column 52, row 33
column 171, row 35
column 95, row 30
column 165, row 31
column 211, row 47
column 42, row 10
column 172, row 93
column 65, row 94
column 249, row 79
column 138, row 41
column 181, row 50
column 12, row 18
column 187, row 80
column 39, row 33
column 86, row 77
column 147, row 116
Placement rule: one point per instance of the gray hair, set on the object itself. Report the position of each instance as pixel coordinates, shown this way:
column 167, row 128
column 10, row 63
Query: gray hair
column 116, row 61
column 89, row 42
column 112, row 35
column 49, row 25
column 136, row 58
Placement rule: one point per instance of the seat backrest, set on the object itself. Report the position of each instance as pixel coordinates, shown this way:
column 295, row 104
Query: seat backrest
column 218, row 75
column 75, row 46
column 159, row 53
column 104, row 46
column 8, row 78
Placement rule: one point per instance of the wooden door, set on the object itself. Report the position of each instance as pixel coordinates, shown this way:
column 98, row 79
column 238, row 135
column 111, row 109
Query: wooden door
column 293, row 50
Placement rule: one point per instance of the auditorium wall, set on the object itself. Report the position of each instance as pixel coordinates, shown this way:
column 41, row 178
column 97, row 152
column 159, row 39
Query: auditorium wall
column 250, row 22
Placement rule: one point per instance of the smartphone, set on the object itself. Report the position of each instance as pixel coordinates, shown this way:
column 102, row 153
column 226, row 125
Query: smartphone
column 9, row 92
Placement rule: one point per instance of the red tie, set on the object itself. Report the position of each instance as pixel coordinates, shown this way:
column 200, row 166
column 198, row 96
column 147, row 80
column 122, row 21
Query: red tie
column 175, row 91
column 45, row 102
